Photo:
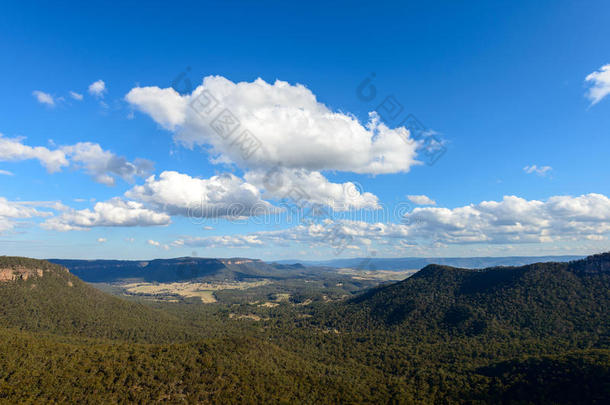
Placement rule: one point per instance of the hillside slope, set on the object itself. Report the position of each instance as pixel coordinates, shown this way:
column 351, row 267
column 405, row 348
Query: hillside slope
column 446, row 335
column 39, row 369
column 538, row 299
column 40, row 296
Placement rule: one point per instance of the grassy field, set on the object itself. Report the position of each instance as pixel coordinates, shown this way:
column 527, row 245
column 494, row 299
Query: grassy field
column 203, row 291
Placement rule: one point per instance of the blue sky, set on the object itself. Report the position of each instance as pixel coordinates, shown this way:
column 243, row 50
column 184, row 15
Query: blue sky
column 500, row 87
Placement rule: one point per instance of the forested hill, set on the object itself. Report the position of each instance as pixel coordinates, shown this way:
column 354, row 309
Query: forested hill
column 592, row 264
column 532, row 334
column 538, row 299
column 44, row 297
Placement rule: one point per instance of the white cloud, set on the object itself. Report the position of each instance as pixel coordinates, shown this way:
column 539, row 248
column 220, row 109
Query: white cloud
column 512, row 220
column 115, row 212
column 76, row 96
column 600, row 84
column 6, row 173
column 166, row 106
column 340, row 234
column 44, row 98
column 313, row 187
column 228, row 241
column 219, row 196
column 295, row 130
column 171, row 193
column 541, row 171
column 97, row 88
column 421, row 200
column 11, row 212
column 104, row 165
column 13, row 149
column 157, row 244
column 102, row 240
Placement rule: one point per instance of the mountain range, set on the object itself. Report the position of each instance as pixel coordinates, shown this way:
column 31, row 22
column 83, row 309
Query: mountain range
column 178, row 269
column 537, row 333
column 222, row 269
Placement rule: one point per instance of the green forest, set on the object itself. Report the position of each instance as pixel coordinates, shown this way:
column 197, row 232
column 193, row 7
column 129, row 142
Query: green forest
column 532, row 334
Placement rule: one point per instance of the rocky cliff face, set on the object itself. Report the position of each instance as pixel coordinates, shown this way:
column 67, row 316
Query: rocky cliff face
column 238, row 261
column 19, row 273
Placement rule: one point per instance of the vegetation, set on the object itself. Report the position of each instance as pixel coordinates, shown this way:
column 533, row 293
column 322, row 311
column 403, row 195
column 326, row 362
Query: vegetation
column 58, row 302
column 532, row 334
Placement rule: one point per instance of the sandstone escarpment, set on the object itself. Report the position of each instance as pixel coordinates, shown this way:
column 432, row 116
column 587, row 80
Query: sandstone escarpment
column 19, row 273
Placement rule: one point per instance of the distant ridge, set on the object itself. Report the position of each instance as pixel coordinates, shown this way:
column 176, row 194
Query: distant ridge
column 410, row 263
column 177, row 269
column 241, row 268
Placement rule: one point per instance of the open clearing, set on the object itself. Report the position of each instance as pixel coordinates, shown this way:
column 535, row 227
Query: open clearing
column 377, row 275
column 203, row 291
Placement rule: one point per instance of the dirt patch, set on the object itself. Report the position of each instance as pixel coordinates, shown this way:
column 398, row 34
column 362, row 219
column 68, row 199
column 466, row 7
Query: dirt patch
column 281, row 297
column 269, row 304
column 251, row 317
column 376, row 275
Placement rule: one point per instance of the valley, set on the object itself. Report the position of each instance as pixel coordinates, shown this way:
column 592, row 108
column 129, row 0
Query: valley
column 211, row 202
column 441, row 335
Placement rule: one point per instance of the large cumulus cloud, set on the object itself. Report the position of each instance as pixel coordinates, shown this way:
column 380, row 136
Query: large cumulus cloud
column 295, row 129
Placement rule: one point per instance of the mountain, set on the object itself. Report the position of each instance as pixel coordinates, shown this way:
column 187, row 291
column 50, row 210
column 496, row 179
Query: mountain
column 541, row 299
column 408, row 263
column 530, row 334
column 40, row 296
column 178, row 269
column 63, row 341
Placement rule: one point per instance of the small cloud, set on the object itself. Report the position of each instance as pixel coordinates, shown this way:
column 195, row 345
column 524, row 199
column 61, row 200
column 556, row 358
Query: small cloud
column 97, row 88
column 130, row 240
column 157, row 244
column 76, row 96
column 101, row 240
column 421, row 200
column 44, row 98
column 600, row 84
column 208, row 228
column 5, row 173
column 541, row 171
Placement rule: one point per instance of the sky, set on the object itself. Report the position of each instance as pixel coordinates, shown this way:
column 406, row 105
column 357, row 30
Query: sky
column 304, row 131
